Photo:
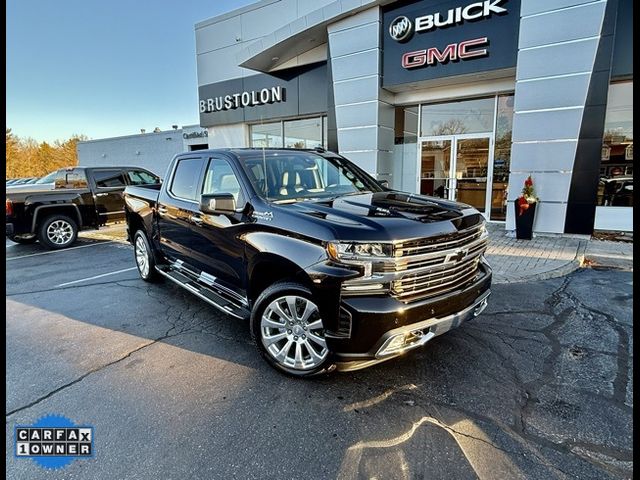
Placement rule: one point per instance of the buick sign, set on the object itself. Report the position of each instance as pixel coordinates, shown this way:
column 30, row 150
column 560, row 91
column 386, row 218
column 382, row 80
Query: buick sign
column 401, row 29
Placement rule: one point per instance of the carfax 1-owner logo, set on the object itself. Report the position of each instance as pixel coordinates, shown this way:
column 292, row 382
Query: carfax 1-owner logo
column 54, row 441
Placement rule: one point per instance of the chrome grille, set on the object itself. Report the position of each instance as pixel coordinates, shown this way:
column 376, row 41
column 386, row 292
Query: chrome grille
column 420, row 246
column 427, row 268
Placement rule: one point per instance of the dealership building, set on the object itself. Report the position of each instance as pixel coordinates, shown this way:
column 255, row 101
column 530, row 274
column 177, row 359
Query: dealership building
column 461, row 99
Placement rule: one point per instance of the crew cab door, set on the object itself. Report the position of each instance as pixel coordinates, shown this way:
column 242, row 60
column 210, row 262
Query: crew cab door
column 216, row 249
column 204, row 243
column 109, row 184
column 178, row 202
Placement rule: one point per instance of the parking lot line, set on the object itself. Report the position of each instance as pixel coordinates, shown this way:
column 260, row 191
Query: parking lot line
column 59, row 251
column 96, row 276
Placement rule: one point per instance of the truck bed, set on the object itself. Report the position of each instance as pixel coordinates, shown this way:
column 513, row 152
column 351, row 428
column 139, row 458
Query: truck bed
column 143, row 192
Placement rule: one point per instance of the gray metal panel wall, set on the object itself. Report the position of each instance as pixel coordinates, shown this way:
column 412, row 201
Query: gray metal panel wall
column 219, row 40
column 364, row 114
column 552, row 81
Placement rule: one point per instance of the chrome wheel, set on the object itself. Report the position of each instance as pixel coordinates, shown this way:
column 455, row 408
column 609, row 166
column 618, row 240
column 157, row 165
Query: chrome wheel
column 142, row 257
column 292, row 333
column 59, row 232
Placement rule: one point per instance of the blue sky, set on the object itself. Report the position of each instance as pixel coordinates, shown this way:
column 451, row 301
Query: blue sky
column 103, row 68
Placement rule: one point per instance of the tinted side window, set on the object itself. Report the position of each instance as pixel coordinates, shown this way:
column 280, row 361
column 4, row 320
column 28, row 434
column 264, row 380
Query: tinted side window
column 74, row 178
column 141, row 177
column 108, row 178
column 220, row 178
column 185, row 179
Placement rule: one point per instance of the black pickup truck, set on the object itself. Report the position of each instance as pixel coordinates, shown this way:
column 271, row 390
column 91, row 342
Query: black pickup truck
column 74, row 198
column 332, row 268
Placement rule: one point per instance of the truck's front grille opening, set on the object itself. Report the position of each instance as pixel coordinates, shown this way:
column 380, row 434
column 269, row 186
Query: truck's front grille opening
column 431, row 267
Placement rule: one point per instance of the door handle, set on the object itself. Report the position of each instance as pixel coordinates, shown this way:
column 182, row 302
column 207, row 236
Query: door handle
column 162, row 210
column 196, row 219
column 101, row 194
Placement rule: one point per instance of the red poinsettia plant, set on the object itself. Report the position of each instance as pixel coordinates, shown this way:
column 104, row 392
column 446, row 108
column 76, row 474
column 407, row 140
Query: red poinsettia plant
column 527, row 197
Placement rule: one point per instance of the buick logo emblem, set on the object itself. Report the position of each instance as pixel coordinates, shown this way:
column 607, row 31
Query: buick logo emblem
column 401, row 29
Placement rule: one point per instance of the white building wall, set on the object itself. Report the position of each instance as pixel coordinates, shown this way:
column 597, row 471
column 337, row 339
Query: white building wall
column 152, row 151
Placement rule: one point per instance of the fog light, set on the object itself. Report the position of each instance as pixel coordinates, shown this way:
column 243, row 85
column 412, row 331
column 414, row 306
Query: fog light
column 480, row 308
column 396, row 343
column 402, row 342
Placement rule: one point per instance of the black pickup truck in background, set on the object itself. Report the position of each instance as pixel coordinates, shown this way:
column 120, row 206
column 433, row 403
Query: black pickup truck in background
column 332, row 268
column 79, row 198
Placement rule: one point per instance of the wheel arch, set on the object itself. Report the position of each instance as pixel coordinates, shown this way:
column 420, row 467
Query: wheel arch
column 267, row 268
column 43, row 211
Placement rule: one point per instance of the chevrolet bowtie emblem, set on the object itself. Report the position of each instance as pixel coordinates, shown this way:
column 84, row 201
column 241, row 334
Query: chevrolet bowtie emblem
column 457, row 256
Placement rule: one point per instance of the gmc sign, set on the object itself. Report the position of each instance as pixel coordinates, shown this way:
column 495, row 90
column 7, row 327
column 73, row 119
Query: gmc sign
column 452, row 52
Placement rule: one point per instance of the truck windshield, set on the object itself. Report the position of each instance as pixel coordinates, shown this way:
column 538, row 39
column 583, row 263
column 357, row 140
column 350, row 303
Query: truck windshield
column 284, row 177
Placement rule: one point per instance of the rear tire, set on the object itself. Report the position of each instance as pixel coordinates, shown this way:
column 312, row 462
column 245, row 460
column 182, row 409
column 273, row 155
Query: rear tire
column 287, row 330
column 23, row 239
column 143, row 255
column 57, row 231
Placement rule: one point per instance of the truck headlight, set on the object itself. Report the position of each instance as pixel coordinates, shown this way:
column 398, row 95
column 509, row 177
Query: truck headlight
column 358, row 251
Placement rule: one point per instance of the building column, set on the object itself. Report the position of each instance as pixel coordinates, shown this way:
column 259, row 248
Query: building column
column 556, row 58
column 364, row 114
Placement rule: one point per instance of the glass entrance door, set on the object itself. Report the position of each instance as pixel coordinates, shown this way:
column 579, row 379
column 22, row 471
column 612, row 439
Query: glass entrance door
column 456, row 168
column 471, row 171
column 435, row 168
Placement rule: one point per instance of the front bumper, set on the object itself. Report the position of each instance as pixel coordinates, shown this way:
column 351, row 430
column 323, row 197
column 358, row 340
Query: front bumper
column 377, row 321
column 9, row 229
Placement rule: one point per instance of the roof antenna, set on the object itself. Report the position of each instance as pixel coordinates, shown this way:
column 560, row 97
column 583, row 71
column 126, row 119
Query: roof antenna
column 264, row 160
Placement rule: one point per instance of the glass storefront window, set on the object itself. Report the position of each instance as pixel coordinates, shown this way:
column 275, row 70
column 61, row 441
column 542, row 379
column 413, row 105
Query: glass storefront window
column 453, row 118
column 266, row 135
column 306, row 133
column 615, row 188
column 458, row 146
column 302, row 133
column 405, row 148
column 502, row 157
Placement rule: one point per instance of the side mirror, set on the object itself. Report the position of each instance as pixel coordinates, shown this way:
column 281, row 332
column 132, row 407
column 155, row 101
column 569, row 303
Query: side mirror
column 384, row 183
column 218, row 203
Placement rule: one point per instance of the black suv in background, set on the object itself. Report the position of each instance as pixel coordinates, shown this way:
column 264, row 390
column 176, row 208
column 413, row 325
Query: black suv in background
column 331, row 268
column 73, row 198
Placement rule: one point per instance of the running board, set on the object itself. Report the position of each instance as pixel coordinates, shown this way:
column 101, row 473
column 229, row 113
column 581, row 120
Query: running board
column 204, row 292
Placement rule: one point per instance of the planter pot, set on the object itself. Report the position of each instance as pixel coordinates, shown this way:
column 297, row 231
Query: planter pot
column 524, row 222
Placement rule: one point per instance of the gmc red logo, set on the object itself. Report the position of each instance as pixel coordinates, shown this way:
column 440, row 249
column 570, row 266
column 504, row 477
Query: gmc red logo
column 453, row 52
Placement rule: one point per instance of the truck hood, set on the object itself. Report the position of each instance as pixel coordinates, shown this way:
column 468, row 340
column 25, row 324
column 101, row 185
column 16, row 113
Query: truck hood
column 382, row 216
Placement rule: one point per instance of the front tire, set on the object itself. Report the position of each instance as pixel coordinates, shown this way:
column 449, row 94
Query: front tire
column 287, row 330
column 58, row 231
column 144, row 257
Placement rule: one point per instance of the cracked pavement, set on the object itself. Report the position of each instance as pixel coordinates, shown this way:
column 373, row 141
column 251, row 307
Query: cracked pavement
column 538, row 386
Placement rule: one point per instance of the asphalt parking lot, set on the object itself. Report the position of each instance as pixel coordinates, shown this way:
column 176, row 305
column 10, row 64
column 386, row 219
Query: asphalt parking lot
column 539, row 386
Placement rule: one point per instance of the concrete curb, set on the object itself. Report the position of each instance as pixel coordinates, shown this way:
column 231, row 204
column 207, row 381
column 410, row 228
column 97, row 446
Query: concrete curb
column 560, row 271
